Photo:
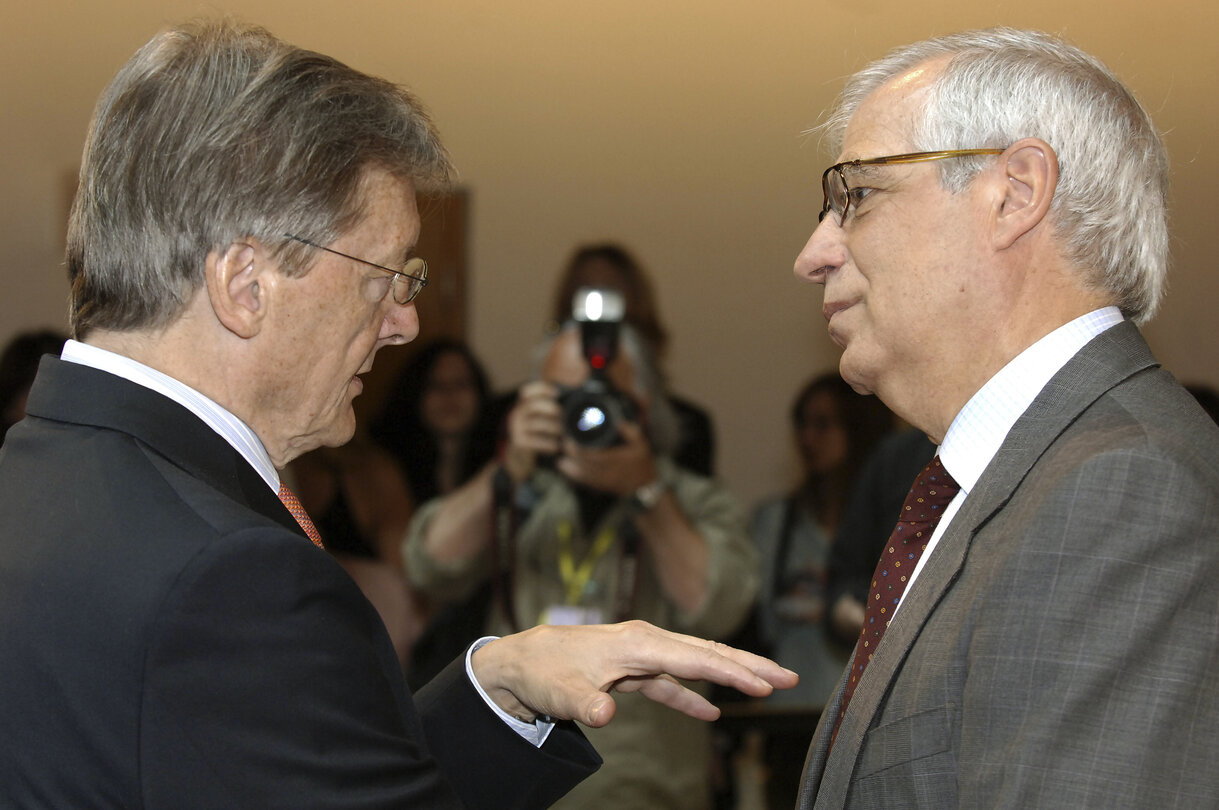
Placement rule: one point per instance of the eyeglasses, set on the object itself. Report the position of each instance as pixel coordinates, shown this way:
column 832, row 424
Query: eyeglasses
column 406, row 283
column 838, row 193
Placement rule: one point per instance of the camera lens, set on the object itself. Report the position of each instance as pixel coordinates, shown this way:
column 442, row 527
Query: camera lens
column 593, row 412
column 590, row 418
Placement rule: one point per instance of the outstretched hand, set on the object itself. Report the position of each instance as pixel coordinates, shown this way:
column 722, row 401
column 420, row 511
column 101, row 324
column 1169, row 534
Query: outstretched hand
column 569, row 672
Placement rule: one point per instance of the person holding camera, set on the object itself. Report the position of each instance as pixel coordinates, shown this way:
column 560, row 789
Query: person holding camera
column 585, row 519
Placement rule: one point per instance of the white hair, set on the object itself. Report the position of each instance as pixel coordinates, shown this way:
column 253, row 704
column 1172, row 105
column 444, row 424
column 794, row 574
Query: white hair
column 1000, row 85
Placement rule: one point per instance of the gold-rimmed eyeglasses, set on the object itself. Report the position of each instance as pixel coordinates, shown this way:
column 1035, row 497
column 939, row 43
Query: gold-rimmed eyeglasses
column 406, row 283
column 838, row 193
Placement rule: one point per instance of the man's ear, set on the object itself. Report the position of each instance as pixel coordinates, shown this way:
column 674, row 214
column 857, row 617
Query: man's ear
column 238, row 286
column 1030, row 179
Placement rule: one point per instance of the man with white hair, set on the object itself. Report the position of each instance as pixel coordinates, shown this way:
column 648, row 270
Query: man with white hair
column 1041, row 628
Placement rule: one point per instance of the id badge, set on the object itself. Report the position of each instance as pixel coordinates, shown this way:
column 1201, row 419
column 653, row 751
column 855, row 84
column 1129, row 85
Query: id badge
column 571, row 614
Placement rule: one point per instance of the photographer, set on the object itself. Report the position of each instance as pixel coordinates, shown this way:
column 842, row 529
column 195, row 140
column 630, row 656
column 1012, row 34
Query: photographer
column 582, row 527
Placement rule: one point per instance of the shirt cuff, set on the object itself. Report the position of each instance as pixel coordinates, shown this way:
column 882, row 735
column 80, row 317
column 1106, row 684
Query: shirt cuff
column 535, row 732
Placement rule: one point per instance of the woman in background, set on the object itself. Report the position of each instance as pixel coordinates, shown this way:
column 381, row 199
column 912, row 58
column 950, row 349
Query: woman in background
column 437, row 420
column 438, row 423
column 834, row 430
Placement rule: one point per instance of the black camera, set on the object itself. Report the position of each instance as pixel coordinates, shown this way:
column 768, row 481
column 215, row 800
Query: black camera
column 593, row 411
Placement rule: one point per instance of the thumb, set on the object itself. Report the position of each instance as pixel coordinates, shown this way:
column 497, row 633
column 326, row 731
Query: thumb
column 599, row 710
column 632, row 432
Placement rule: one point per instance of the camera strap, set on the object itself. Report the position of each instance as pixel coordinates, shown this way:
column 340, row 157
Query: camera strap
column 576, row 577
column 503, row 545
column 628, row 571
column 505, row 521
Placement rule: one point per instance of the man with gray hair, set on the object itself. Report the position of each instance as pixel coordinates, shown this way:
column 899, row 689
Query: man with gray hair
column 1041, row 628
column 240, row 247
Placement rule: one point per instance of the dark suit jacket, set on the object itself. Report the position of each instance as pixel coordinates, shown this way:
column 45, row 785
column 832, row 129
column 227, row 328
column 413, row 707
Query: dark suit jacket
column 1061, row 646
column 169, row 638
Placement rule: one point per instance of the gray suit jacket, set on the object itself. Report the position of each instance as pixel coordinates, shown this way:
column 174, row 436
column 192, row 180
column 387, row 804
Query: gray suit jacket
column 1061, row 646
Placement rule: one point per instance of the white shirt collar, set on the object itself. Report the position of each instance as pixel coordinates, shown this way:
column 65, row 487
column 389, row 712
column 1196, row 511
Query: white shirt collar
column 977, row 432
column 232, row 429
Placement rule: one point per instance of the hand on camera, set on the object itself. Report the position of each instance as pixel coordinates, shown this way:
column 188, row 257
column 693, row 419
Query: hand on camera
column 619, row 468
column 535, row 428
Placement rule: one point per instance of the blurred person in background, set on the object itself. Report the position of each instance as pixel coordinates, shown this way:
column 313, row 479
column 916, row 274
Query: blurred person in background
column 834, row 430
column 436, row 420
column 438, row 424
column 18, row 367
column 873, row 507
column 608, row 265
column 569, row 533
column 360, row 504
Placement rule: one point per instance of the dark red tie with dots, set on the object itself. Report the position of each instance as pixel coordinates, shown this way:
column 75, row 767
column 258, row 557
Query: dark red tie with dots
column 932, row 491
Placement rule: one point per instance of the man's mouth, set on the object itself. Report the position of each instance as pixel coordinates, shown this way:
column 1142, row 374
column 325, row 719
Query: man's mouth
column 833, row 307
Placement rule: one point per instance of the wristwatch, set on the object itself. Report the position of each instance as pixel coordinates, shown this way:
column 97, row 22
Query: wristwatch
column 648, row 495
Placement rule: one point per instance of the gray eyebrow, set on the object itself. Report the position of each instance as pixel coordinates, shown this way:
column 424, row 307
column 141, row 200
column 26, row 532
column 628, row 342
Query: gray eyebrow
column 863, row 172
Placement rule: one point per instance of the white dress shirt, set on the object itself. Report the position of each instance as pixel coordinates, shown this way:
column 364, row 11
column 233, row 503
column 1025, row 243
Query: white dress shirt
column 245, row 442
column 978, row 431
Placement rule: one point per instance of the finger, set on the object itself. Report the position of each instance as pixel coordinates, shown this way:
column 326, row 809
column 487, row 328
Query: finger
column 540, row 415
column 539, row 441
column 576, row 464
column 669, row 692
column 599, row 710
column 538, row 430
column 631, row 432
column 570, row 468
column 778, row 677
column 692, row 658
column 537, row 389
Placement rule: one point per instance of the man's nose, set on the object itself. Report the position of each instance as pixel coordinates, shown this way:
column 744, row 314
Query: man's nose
column 823, row 252
column 401, row 324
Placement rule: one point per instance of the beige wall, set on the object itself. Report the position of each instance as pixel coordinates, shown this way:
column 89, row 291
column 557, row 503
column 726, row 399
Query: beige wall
column 675, row 127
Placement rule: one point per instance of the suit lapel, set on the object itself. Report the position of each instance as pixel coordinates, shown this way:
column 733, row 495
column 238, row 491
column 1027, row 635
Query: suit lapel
column 1105, row 361
column 171, row 430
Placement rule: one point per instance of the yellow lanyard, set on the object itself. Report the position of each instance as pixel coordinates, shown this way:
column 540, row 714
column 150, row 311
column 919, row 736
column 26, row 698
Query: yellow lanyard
column 575, row 579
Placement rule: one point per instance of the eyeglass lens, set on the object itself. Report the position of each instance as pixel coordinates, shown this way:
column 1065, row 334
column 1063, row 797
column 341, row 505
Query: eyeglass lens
column 834, row 187
column 407, row 284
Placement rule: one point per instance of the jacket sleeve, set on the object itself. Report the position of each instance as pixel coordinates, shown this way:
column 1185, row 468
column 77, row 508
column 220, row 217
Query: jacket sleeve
column 270, row 682
column 495, row 767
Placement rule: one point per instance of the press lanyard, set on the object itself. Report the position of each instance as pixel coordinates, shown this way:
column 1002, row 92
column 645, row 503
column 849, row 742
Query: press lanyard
column 575, row 578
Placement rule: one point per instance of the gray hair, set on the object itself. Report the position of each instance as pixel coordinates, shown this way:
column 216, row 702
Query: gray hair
column 1000, row 85
column 217, row 131
column 663, row 428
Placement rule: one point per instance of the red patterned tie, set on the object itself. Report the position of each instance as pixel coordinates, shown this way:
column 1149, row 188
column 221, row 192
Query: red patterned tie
column 932, row 491
column 302, row 517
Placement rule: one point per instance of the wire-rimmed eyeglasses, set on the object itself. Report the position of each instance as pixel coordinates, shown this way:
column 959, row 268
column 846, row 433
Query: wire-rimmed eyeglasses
column 406, row 283
column 838, row 193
